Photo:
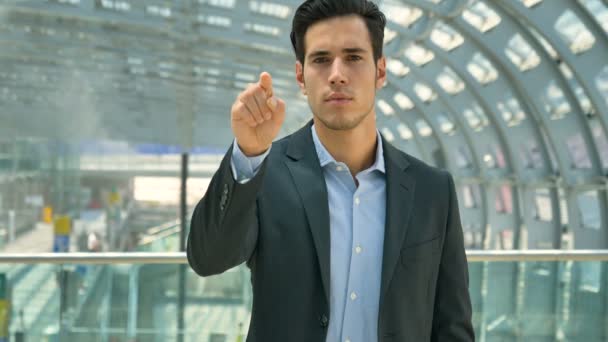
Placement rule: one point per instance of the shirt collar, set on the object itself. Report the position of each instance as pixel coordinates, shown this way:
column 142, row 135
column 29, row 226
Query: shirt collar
column 325, row 158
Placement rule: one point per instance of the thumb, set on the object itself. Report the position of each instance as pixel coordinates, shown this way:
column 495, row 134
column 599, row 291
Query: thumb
column 266, row 83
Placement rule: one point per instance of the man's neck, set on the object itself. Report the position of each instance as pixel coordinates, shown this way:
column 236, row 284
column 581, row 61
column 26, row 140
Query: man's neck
column 356, row 147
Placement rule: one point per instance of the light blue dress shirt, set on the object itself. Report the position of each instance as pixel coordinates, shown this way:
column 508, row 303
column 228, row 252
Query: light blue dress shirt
column 357, row 219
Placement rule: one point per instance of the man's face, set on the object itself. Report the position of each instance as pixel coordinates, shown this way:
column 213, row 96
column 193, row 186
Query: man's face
column 339, row 75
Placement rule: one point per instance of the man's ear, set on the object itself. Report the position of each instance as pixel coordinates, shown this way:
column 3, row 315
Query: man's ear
column 300, row 77
column 381, row 72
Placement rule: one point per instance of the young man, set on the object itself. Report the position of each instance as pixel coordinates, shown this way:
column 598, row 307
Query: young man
column 347, row 238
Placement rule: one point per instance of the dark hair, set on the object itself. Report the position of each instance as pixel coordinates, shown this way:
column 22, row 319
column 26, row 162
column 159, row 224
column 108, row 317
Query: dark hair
column 312, row 11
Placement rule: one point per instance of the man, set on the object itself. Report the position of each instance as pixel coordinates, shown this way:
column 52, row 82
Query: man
column 347, row 238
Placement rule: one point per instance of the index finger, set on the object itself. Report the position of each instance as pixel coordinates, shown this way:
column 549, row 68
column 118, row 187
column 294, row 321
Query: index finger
column 266, row 83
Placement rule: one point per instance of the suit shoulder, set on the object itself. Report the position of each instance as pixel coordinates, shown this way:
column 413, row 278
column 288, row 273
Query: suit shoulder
column 425, row 169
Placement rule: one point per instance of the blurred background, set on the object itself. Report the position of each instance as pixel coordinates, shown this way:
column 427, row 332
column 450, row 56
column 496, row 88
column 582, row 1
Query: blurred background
column 114, row 114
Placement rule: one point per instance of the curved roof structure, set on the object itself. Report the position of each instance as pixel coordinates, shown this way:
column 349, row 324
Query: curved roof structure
column 510, row 96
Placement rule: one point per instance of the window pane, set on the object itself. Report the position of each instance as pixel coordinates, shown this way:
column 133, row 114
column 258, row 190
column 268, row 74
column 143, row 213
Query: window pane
column 481, row 69
column 521, row 53
column 578, row 152
column 574, row 33
column 503, row 201
column 543, row 209
column 589, row 210
column 480, row 16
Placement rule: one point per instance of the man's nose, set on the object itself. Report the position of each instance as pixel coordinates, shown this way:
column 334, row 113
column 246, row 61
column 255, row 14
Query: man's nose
column 338, row 73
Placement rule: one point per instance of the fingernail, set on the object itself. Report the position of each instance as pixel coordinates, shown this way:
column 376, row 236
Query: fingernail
column 273, row 102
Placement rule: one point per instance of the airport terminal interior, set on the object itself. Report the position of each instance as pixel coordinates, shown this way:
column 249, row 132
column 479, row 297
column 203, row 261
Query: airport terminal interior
column 114, row 115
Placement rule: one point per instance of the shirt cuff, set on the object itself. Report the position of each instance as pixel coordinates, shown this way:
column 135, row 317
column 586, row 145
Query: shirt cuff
column 244, row 168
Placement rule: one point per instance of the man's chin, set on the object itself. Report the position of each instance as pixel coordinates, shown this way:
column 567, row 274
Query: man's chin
column 340, row 124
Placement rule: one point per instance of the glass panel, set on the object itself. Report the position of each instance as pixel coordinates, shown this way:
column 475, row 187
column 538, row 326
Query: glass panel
column 504, row 200
column 266, row 8
column 555, row 102
column 418, row 54
column 129, row 302
column 401, row 14
column 463, row 157
column 396, row 67
column 424, row 130
column 117, row 5
column 574, row 33
column 272, row 31
column 404, row 132
column 531, row 156
column 601, row 81
column 578, row 152
column 103, row 188
column 511, row 111
column 531, row 3
column 481, row 69
column 476, row 117
column 521, row 53
column 385, row 108
column 444, row 36
column 450, row 81
column 543, row 209
column 389, row 35
column 470, row 194
column 563, row 207
column 599, row 136
column 424, row 92
column 481, row 16
column 599, row 10
column 494, row 158
column 445, row 124
column 589, row 210
column 125, row 302
column 403, row 101
column 387, row 133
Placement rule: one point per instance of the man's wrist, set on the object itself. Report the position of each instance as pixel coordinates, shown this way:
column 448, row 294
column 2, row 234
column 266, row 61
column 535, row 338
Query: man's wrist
column 252, row 152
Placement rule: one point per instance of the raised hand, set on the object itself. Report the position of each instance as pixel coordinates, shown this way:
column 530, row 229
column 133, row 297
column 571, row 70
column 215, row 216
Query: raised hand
column 256, row 117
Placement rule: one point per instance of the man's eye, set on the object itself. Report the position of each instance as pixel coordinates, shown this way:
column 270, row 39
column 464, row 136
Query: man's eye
column 320, row 60
column 354, row 58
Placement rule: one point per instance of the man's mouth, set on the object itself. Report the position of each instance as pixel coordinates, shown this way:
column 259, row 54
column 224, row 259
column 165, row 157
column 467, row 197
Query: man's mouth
column 338, row 98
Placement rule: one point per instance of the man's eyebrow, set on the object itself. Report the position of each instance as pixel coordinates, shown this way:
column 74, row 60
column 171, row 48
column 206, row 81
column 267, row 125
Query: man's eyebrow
column 320, row 53
column 353, row 50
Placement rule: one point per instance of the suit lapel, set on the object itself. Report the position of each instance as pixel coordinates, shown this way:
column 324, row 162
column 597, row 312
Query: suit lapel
column 303, row 164
column 400, row 195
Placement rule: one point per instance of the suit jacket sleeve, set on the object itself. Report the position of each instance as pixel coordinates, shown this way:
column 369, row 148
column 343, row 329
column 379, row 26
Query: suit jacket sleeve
column 224, row 225
column 452, row 311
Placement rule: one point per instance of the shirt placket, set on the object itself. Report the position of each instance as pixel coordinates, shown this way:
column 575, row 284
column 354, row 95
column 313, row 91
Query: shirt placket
column 354, row 302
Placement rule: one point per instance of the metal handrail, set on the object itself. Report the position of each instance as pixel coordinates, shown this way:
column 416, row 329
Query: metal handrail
column 180, row 258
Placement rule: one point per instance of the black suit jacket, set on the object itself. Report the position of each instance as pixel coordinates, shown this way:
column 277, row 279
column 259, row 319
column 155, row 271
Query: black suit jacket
column 278, row 223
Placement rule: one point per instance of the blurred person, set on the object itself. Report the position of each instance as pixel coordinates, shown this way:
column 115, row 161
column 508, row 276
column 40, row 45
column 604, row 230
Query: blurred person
column 347, row 238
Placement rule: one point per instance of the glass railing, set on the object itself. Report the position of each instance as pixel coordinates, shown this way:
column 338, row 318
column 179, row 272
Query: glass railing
column 516, row 296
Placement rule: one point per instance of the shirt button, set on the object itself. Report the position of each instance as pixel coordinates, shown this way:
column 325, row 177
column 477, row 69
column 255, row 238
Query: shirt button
column 347, row 340
column 323, row 320
column 353, row 295
column 339, row 168
column 358, row 249
column 357, row 201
